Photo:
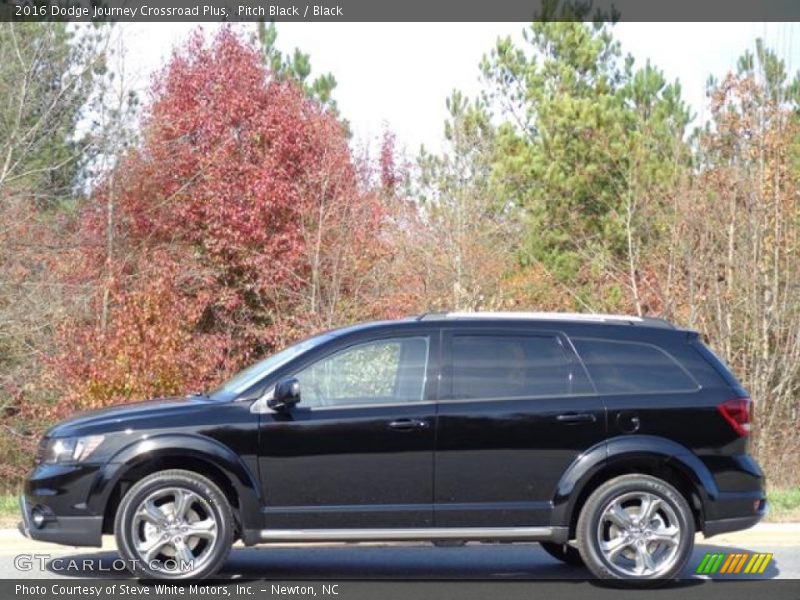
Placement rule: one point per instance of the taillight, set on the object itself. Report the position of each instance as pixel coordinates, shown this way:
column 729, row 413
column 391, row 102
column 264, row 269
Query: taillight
column 738, row 412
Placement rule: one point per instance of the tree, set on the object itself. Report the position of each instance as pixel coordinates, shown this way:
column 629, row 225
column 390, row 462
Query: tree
column 296, row 67
column 460, row 243
column 584, row 141
column 47, row 74
column 738, row 232
column 49, row 77
column 239, row 226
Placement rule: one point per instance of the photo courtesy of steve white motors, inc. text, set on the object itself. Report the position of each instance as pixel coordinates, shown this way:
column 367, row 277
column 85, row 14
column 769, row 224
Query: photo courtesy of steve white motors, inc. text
column 212, row 591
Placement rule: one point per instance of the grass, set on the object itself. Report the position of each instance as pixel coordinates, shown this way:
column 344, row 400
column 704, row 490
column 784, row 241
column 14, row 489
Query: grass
column 784, row 507
column 9, row 510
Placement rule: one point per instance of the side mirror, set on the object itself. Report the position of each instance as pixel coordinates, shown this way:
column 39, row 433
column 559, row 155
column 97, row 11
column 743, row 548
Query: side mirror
column 286, row 395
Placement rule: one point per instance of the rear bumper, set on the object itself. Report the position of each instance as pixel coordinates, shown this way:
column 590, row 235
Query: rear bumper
column 738, row 500
column 726, row 525
column 70, row 531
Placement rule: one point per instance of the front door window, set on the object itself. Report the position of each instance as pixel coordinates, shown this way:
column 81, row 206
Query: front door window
column 389, row 371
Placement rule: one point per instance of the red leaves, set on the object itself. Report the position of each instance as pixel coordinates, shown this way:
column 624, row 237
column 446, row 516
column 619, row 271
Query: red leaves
column 390, row 176
column 229, row 158
column 238, row 214
column 150, row 349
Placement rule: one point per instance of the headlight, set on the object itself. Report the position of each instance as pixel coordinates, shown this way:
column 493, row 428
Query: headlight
column 75, row 449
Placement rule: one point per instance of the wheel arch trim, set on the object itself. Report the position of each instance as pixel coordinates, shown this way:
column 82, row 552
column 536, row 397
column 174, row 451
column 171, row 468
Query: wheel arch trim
column 176, row 446
column 616, row 451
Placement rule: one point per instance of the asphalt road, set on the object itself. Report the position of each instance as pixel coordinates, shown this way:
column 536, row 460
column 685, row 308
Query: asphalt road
column 389, row 561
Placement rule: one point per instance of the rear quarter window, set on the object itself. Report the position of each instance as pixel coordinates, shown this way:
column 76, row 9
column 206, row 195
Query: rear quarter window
column 625, row 367
column 717, row 366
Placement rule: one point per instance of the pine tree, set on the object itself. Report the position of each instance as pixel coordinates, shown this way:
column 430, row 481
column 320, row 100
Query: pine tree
column 581, row 132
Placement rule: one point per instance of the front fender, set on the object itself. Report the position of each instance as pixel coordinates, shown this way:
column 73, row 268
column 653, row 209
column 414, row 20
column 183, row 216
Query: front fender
column 617, row 451
column 173, row 446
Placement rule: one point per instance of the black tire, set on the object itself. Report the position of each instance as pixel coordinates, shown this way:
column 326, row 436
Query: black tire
column 206, row 511
column 564, row 552
column 668, row 510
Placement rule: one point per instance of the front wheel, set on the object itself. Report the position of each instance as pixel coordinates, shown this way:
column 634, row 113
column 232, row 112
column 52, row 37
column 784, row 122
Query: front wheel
column 174, row 524
column 636, row 529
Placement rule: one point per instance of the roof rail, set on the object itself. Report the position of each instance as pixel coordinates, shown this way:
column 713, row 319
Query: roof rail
column 551, row 316
column 430, row 316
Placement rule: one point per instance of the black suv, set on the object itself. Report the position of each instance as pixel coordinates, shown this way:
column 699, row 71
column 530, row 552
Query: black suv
column 609, row 439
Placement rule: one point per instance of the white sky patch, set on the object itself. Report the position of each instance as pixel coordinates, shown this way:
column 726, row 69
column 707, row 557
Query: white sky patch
column 398, row 75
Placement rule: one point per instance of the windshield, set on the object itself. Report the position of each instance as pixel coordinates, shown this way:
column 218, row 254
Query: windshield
column 254, row 373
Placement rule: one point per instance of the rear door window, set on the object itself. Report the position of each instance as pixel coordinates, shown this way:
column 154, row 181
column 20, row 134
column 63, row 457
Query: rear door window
column 511, row 366
column 620, row 367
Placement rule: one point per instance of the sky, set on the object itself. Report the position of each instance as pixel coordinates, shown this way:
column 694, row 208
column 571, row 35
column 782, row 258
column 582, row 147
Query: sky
column 398, row 75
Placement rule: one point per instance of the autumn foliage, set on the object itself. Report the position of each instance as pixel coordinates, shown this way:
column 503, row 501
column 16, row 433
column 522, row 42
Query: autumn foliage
column 239, row 223
column 236, row 215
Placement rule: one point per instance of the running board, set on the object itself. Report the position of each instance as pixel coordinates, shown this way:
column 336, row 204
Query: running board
column 520, row 534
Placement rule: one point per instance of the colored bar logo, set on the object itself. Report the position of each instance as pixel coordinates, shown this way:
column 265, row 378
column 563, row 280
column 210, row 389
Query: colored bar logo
column 733, row 563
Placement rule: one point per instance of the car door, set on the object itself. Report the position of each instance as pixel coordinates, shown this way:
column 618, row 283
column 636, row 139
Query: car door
column 516, row 410
column 357, row 450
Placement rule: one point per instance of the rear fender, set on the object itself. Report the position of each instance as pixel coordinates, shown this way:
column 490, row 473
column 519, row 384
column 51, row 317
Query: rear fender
column 614, row 453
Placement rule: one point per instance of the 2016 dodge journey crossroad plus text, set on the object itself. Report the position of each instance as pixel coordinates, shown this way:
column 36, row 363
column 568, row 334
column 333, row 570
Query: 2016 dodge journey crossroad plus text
column 611, row 440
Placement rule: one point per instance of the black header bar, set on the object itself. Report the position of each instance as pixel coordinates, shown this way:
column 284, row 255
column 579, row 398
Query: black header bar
column 400, row 10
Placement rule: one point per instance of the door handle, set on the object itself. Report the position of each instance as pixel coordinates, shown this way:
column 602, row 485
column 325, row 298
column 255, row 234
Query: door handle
column 408, row 424
column 576, row 418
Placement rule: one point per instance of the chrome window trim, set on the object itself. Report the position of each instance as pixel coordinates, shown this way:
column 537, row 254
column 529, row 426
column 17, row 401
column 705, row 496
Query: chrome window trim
column 260, row 406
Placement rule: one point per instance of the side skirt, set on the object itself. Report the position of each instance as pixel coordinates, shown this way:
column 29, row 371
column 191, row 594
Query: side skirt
column 422, row 534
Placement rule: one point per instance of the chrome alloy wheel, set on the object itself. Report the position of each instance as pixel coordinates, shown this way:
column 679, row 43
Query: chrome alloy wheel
column 174, row 530
column 639, row 535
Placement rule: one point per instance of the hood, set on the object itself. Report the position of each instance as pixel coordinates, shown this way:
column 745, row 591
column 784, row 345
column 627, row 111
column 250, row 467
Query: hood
column 122, row 416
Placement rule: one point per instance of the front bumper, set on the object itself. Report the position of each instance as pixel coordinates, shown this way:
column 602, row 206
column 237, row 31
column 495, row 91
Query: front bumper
column 70, row 530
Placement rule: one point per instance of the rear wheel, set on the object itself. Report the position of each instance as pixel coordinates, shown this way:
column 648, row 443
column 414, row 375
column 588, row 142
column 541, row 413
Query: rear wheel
column 636, row 529
column 563, row 552
column 174, row 524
